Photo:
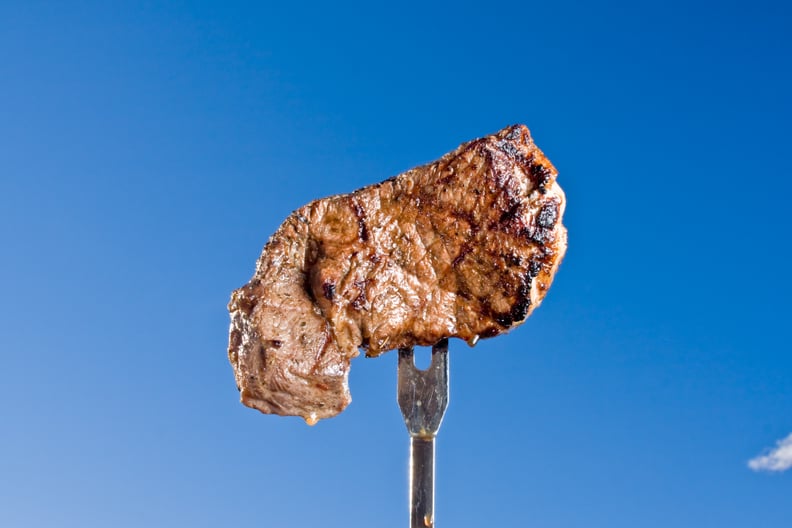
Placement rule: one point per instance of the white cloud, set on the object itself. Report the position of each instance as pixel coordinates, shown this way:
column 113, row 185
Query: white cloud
column 778, row 459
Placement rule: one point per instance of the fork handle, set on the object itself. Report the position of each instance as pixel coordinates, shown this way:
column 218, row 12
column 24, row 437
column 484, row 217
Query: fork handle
column 422, row 480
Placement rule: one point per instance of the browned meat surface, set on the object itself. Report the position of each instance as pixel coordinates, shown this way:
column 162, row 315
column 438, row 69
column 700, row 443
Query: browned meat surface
column 463, row 247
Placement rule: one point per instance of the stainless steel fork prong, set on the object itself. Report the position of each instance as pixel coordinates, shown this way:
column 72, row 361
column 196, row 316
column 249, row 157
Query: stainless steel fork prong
column 423, row 399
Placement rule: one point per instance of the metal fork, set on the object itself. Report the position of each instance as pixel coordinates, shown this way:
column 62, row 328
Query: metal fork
column 423, row 398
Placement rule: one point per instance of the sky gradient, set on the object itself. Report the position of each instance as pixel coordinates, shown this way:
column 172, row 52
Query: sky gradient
column 147, row 152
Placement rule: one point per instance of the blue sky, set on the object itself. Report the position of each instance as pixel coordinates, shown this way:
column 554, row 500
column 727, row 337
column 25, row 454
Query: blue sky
column 148, row 151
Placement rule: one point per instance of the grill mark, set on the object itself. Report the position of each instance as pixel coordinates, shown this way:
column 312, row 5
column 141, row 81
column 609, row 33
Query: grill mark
column 469, row 218
column 541, row 177
column 538, row 235
column 328, row 288
column 492, row 331
column 360, row 301
column 520, row 309
column 361, row 220
column 512, row 151
column 512, row 260
column 548, row 215
column 515, row 133
column 503, row 319
column 463, row 252
column 534, row 267
column 522, row 305
column 511, row 213
column 542, row 231
column 464, row 294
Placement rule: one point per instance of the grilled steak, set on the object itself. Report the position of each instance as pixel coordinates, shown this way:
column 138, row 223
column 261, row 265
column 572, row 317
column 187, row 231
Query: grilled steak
column 463, row 247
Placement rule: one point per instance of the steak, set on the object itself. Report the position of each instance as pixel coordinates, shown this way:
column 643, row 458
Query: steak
column 465, row 247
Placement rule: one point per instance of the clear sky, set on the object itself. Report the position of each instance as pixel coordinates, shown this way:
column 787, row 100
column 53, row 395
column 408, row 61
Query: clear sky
column 147, row 151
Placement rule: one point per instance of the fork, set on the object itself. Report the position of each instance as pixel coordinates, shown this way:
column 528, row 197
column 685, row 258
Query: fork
column 423, row 399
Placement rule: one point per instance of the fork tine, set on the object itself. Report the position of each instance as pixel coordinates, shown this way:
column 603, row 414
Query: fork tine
column 423, row 394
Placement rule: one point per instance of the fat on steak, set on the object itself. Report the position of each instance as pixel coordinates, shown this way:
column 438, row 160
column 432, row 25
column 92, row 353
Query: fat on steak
column 466, row 247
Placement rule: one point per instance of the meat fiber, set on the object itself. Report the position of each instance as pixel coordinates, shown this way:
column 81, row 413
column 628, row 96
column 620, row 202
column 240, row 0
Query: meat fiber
column 463, row 247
